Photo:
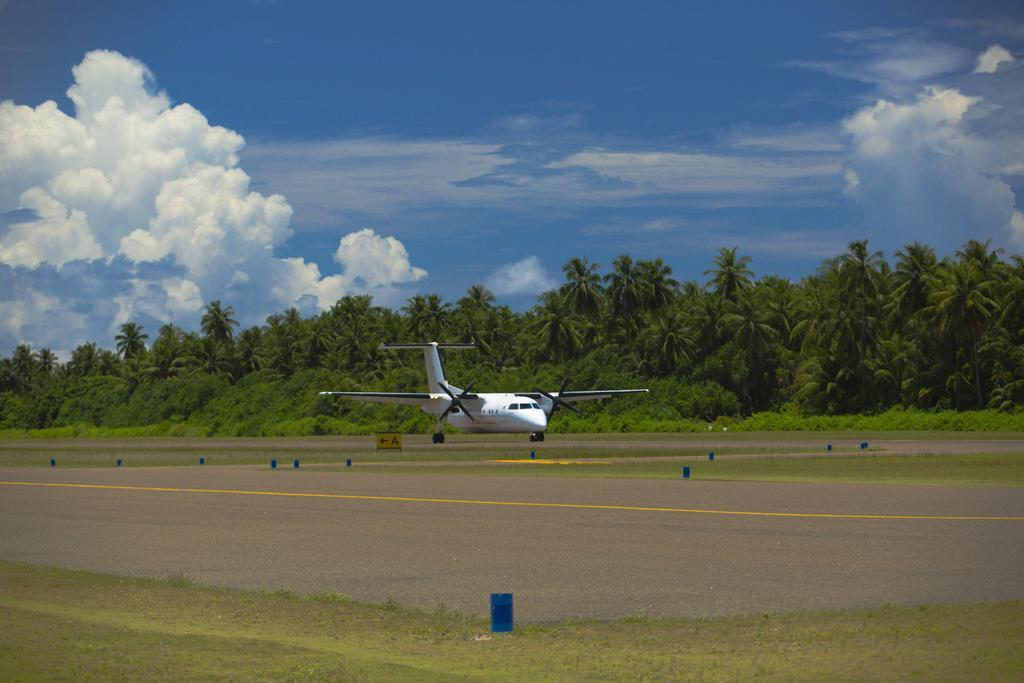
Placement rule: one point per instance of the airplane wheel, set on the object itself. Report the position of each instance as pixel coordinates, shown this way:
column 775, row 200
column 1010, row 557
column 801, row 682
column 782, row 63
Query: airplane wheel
column 540, row 436
column 533, row 436
column 438, row 438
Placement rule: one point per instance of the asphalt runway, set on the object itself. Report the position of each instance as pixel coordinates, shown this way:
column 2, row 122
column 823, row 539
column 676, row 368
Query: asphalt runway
column 567, row 548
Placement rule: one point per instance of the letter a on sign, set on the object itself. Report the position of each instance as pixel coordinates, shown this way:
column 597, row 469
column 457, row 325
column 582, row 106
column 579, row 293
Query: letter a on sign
column 389, row 440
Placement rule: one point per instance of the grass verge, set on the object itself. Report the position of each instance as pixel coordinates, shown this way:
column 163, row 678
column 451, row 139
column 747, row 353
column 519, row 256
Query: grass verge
column 997, row 469
column 161, row 451
column 65, row 624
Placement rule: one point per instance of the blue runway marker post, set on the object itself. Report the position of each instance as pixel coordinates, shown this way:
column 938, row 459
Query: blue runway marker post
column 711, row 456
column 686, row 471
column 295, row 463
column 533, row 455
column 501, row 613
column 828, row 447
column 863, row 445
column 348, row 462
column 202, row 461
column 120, row 462
column 273, row 464
column 53, row 462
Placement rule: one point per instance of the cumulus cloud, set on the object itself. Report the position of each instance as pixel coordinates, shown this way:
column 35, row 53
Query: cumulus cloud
column 990, row 59
column 151, row 196
column 374, row 261
column 921, row 171
column 522, row 277
column 1017, row 229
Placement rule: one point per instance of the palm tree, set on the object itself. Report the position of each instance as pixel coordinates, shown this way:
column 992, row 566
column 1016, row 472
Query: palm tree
column 131, row 341
column 416, row 312
column 860, row 280
column 626, row 294
column 318, row 339
column 556, row 328
column 730, row 276
column 84, row 359
column 659, row 285
column 915, row 268
column 582, row 288
column 978, row 254
column 779, row 301
column 437, row 315
column 478, row 297
column 166, row 359
column 218, row 322
column 247, row 350
column 708, row 316
column 668, row 343
column 749, row 325
column 207, row 355
column 963, row 308
column 46, row 361
column 23, row 364
column 859, row 270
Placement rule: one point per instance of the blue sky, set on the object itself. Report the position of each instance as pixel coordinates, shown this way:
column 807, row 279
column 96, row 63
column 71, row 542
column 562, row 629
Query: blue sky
column 285, row 153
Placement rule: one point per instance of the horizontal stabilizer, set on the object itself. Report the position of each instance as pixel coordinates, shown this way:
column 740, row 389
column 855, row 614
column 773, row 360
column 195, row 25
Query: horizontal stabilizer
column 427, row 345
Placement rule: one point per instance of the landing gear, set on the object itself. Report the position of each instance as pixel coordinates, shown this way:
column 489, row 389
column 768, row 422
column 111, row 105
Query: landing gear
column 537, row 436
column 438, row 437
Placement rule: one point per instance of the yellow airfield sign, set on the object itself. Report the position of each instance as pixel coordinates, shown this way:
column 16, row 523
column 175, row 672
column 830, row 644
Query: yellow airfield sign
column 389, row 440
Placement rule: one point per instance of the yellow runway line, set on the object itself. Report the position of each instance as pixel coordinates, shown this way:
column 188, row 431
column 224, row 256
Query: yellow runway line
column 523, row 504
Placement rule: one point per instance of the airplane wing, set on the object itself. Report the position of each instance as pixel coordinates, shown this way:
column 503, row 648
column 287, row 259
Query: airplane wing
column 384, row 397
column 583, row 395
column 592, row 395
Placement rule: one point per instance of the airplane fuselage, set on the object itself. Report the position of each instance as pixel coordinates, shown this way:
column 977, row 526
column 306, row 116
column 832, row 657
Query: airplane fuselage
column 493, row 413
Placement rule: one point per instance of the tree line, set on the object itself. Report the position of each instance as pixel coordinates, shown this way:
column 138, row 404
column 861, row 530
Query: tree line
column 860, row 335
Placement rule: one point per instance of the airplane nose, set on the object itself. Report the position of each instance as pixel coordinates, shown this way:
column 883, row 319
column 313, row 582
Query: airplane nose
column 538, row 420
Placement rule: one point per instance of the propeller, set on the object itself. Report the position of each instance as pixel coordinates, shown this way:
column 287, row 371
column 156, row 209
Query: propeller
column 556, row 401
column 457, row 401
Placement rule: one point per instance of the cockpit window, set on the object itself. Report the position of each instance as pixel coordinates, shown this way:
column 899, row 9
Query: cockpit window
column 535, row 406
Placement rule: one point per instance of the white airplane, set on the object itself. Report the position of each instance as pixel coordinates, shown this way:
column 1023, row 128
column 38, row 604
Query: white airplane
column 525, row 411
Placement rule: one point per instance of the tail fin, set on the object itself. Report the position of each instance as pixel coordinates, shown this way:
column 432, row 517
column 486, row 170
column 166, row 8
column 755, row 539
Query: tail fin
column 432, row 359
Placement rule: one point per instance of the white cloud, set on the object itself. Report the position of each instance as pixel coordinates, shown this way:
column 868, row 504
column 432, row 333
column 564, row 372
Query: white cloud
column 693, row 173
column 990, row 59
column 895, row 61
column 375, row 261
column 851, row 181
column 34, row 317
column 790, row 139
column 183, row 296
column 522, row 277
column 151, row 197
column 933, row 120
column 56, row 236
column 1017, row 229
column 375, row 175
column 924, row 172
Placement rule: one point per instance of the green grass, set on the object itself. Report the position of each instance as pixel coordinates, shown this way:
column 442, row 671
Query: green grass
column 169, row 451
column 64, row 624
column 1002, row 469
column 156, row 452
column 469, row 454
